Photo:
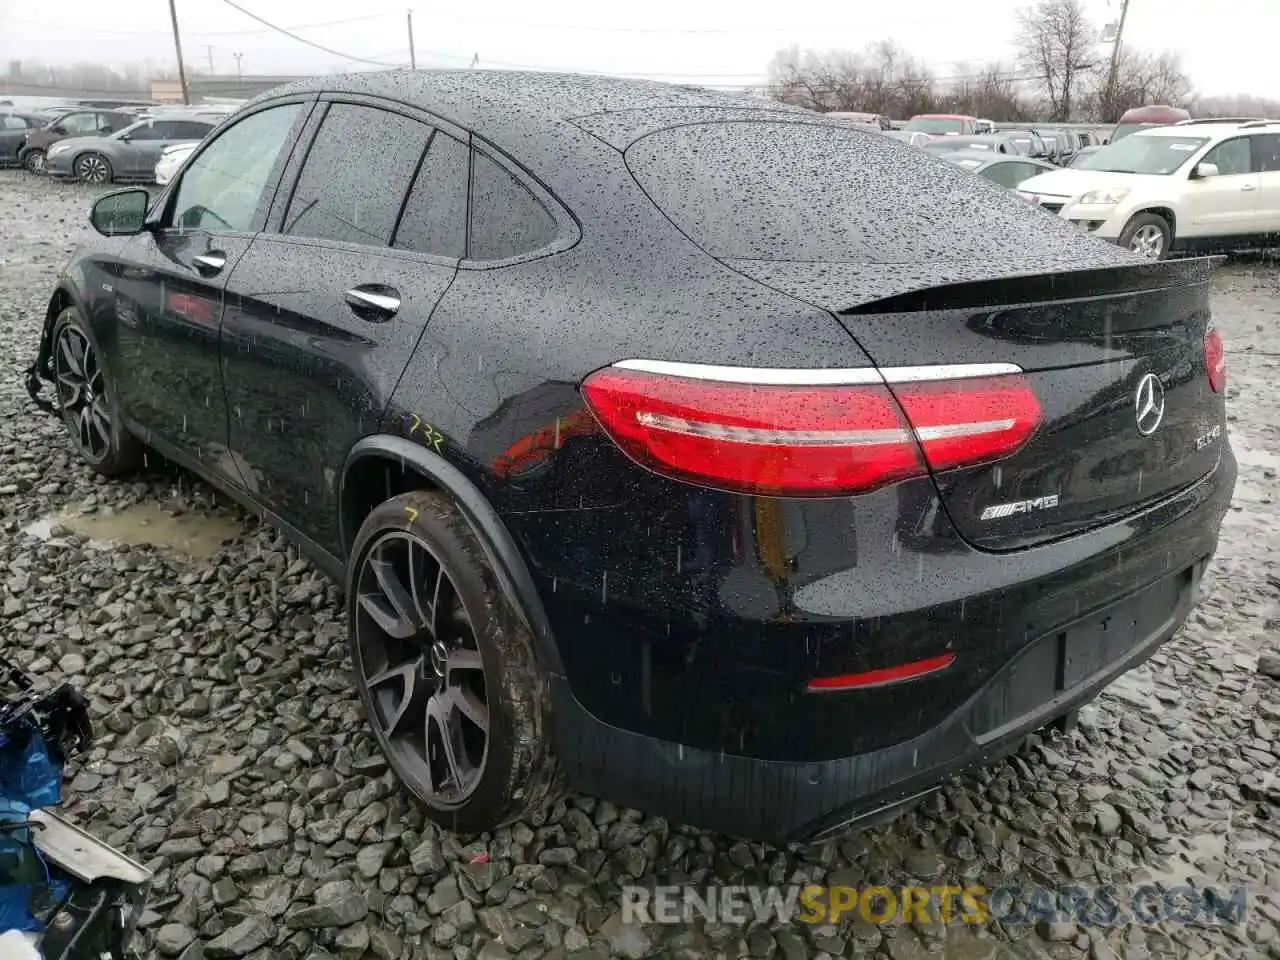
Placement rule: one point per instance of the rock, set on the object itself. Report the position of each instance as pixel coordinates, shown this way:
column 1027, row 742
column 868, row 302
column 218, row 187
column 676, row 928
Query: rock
column 1269, row 664
column 338, row 904
column 242, row 939
column 173, row 938
column 426, row 859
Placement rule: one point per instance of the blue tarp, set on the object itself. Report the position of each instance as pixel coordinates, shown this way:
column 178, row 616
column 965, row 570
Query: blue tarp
column 29, row 780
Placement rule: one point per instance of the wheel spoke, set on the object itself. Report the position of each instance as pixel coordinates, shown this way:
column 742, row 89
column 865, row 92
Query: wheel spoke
column 462, row 659
column 73, row 387
column 409, row 677
column 74, row 358
column 470, row 706
column 438, row 716
column 388, row 621
column 83, row 426
column 433, row 622
column 99, row 423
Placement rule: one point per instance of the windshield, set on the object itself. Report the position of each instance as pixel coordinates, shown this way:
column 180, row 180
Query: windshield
column 966, row 162
column 1155, row 155
column 1124, row 129
column 935, row 125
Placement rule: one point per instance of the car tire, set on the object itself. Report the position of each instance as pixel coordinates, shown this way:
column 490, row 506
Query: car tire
column 33, row 161
column 441, row 654
column 88, row 401
column 1148, row 235
column 93, row 168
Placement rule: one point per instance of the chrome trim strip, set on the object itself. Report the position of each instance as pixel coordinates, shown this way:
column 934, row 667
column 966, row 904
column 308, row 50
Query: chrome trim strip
column 789, row 376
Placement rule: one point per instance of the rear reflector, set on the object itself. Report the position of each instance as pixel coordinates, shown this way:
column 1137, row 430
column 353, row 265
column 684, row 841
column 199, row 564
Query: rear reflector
column 809, row 440
column 1215, row 360
column 885, row 675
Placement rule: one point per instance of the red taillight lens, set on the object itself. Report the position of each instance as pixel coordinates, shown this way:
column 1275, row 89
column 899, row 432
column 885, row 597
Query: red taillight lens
column 1215, row 360
column 807, row 441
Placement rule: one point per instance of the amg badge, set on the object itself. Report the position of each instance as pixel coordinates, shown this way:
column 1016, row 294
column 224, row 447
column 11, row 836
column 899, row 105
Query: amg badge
column 1002, row 510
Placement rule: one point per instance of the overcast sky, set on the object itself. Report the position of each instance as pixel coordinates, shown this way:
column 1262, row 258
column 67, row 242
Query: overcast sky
column 1228, row 46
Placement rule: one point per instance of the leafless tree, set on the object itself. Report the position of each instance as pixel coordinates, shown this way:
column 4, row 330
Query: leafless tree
column 1058, row 45
column 1141, row 79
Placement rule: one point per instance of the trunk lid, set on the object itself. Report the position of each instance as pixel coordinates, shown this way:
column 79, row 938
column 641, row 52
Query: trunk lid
column 1087, row 340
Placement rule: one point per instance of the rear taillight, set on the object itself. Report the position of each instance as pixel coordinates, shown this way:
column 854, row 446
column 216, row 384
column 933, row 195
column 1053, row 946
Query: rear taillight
column 717, row 427
column 1215, row 360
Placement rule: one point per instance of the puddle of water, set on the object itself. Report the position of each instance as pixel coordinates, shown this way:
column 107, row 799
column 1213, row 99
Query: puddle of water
column 198, row 537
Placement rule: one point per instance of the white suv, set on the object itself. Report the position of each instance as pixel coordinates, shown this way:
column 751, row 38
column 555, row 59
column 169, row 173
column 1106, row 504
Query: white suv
column 1195, row 185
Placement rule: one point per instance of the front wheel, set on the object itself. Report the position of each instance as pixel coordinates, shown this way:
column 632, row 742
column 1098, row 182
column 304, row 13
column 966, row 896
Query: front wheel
column 1148, row 235
column 33, row 161
column 87, row 399
column 93, row 168
column 446, row 669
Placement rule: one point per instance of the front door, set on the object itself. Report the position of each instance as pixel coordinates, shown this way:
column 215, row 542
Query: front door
column 325, row 312
column 168, row 351
column 1225, row 205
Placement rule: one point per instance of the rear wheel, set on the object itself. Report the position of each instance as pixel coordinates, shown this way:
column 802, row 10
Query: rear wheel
column 93, row 168
column 87, row 399
column 1148, row 235
column 446, row 669
column 33, row 161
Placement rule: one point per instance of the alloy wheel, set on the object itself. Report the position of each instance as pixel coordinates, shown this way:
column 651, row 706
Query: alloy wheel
column 417, row 657
column 82, row 395
column 34, row 161
column 1148, row 241
column 92, row 169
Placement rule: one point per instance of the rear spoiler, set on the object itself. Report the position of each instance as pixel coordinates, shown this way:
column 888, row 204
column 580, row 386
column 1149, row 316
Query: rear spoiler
column 1031, row 288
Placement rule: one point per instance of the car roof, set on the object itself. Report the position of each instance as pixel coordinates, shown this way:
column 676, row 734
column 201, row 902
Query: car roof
column 1220, row 131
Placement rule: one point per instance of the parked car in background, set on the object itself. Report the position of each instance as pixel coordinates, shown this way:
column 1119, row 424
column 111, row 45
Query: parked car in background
column 913, row 137
column 984, row 126
column 15, row 127
column 877, row 120
column 845, row 409
column 171, row 160
column 1061, row 144
column 943, row 124
column 992, row 143
column 77, row 123
column 131, row 154
column 1194, row 187
column 1140, row 118
column 1029, row 143
column 1007, row 171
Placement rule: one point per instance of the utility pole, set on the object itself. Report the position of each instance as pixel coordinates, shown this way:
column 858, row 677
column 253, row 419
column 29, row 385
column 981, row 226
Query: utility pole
column 177, row 45
column 413, row 57
column 1115, row 60
column 238, row 56
column 208, row 48
column 474, row 61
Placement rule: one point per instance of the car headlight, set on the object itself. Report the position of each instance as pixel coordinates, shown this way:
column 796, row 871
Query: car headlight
column 1104, row 197
column 57, row 149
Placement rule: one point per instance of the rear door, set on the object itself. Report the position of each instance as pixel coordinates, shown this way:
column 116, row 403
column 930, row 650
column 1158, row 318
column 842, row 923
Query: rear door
column 139, row 155
column 1266, row 160
column 1224, row 205
column 326, row 308
column 13, row 130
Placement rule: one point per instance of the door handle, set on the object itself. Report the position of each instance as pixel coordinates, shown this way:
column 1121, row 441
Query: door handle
column 384, row 303
column 1248, row 187
column 211, row 262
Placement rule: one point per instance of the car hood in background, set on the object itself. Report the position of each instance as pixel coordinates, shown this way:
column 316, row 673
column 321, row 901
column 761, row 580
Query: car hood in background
column 1071, row 182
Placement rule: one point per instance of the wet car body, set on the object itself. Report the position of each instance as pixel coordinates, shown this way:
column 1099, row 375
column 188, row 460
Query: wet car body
column 742, row 660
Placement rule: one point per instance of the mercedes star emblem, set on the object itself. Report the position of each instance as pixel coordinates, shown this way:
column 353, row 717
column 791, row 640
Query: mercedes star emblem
column 1148, row 404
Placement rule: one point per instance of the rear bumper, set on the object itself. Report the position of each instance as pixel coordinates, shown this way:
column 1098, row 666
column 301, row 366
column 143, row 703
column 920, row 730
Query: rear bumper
column 1065, row 664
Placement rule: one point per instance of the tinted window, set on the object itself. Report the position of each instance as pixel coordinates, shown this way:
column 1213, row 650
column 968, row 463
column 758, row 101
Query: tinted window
column 435, row 216
column 1232, row 157
column 1009, row 174
column 150, row 130
column 782, row 191
column 222, row 187
column 1266, row 152
column 188, row 130
column 356, row 176
column 506, row 219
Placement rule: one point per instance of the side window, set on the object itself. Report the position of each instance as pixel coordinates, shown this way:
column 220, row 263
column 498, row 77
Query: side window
column 14, row 123
column 1005, row 174
column 189, row 130
column 151, row 130
column 223, row 185
column 506, row 219
column 356, row 176
column 107, row 123
column 435, row 216
column 1231, row 156
column 79, row 122
column 1266, row 152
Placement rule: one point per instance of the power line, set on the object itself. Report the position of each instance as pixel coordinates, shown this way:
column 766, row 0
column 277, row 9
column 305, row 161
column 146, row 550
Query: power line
column 309, row 43
column 72, row 28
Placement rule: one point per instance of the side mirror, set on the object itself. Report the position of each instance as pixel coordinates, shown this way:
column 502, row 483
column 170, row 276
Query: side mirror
column 59, row 129
column 1206, row 170
column 121, row 213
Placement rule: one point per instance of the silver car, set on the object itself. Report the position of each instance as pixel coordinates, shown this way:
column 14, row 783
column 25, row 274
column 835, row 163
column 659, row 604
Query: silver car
column 131, row 154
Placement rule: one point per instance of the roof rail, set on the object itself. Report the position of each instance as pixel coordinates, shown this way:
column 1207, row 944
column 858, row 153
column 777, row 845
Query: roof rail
column 1192, row 122
column 1254, row 124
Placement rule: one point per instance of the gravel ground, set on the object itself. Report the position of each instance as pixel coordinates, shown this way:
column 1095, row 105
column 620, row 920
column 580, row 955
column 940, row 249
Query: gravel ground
column 232, row 758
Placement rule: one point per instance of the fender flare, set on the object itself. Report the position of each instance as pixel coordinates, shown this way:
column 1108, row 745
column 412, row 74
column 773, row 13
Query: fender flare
column 495, row 539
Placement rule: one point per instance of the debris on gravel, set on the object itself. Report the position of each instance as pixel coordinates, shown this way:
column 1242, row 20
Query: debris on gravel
column 232, row 758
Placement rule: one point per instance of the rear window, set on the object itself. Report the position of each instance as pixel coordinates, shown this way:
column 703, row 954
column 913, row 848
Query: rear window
column 812, row 192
